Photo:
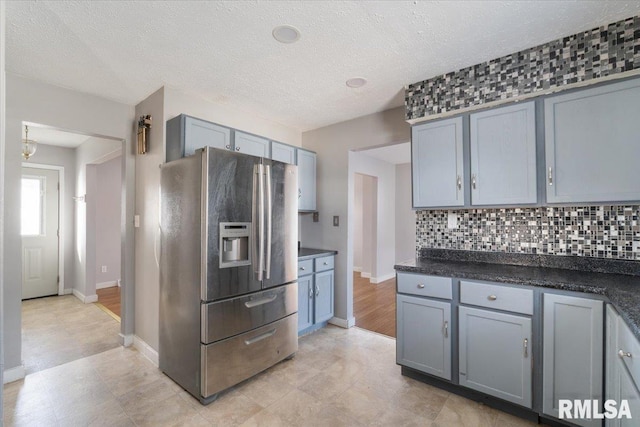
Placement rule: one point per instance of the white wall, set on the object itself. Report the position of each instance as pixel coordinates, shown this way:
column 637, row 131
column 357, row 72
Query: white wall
column 2, row 172
column 37, row 102
column 405, row 215
column 335, row 188
column 358, row 220
column 379, row 187
column 108, row 205
column 65, row 157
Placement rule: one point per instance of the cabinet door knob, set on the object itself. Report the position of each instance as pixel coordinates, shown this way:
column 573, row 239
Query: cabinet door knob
column 446, row 329
column 420, row 286
column 622, row 353
column 237, row 148
column 492, row 297
column 550, row 176
column 473, row 181
column 317, row 291
column 299, row 193
column 459, row 182
column 228, row 147
column 526, row 347
column 310, row 293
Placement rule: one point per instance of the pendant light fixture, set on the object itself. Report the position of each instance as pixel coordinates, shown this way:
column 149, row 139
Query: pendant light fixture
column 29, row 146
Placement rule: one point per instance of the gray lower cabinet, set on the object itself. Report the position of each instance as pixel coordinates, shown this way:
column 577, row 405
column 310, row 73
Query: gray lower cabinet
column 187, row 134
column 503, row 155
column 251, row 144
column 495, row 354
column 424, row 336
column 437, row 164
column 306, row 180
column 315, row 292
column 591, row 144
column 572, row 352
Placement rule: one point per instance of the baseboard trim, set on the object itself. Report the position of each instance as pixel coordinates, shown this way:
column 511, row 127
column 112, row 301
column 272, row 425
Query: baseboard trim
column 357, row 269
column 382, row 278
column 13, row 374
column 85, row 299
column 104, row 285
column 126, row 340
column 146, row 350
column 343, row 323
column 67, row 291
column 365, row 275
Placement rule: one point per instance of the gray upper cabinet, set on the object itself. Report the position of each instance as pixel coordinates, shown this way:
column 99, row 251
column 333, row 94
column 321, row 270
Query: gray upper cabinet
column 251, row 144
column 424, row 335
column 495, row 354
column 437, row 164
column 592, row 144
column 503, row 155
column 306, row 180
column 283, row 153
column 573, row 352
column 187, row 134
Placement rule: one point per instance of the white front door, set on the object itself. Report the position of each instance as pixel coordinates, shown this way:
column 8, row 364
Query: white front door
column 39, row 227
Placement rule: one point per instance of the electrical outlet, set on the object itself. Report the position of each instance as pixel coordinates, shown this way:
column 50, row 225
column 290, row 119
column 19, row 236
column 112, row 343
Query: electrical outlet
column 452, row 220
column 336, row 221
column 104, row 268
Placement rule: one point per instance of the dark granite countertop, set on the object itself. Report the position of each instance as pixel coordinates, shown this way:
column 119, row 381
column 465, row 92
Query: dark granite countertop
column 308, row 253
column 618, row 280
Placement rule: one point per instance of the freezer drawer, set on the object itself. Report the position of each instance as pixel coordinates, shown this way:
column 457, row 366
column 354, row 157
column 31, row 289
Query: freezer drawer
column 228, row 362
column 223, row 319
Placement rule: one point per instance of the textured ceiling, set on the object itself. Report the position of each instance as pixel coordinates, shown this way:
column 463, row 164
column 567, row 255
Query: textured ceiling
column 223, row 50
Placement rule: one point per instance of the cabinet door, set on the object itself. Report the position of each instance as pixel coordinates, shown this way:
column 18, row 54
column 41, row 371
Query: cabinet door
column 611, row 352
column 592, row 146
column 572, row 353
column 198, row 134
column 305, row 302
column 503, row 156
column 495, row 354
column 626, row 390
column 424, row 335
column 324, row 296
column 283, row 153
column 306, row 180
column 437, row 164
column 251, row 144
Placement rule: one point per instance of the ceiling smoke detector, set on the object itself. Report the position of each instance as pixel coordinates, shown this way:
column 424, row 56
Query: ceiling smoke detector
column 356, row 82
column 286, row 34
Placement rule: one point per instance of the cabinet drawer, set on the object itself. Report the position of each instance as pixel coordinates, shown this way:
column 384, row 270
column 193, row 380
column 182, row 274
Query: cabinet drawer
column 305, row 267
column 324, row 263
column 630, row 348
column 426, row 286
column 495, row 296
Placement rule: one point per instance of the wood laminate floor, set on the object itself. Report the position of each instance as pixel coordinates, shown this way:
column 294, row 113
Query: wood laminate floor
column 374, row 305
column 109, row 299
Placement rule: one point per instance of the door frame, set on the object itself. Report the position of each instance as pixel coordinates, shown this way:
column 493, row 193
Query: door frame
column 61, row 213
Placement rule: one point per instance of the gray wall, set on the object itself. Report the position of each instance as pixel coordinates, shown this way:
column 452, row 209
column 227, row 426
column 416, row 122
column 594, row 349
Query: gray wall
column 65, row 157
column 108, row 203
column 358, row 220
column 2, row 169
column 37, row 102
column 405, row 215
column 335, row 187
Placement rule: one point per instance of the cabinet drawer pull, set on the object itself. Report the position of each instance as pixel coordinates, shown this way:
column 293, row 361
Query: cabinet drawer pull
column 446, row 329
column 492, row 297
column 473, row 181
column 325, row 263
column 550, row 176
column 302, row 268
column 526, row 347
column 420, row 286
column 622, row 353
column 260, row 337
column 459, row 182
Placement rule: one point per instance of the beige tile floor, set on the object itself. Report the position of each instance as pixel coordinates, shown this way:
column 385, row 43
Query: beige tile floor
column 58, row 330
column 338, row 378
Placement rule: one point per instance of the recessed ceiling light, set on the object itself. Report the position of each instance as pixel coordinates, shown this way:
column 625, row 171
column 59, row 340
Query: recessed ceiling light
column 286, row 34
column 356, row 82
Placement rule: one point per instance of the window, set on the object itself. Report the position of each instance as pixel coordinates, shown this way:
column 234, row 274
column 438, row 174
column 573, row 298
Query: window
column 32, row 206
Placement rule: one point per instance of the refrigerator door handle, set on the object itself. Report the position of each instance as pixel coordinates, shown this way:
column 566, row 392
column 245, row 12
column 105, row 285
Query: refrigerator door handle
column 267, row 179
column 261, row 222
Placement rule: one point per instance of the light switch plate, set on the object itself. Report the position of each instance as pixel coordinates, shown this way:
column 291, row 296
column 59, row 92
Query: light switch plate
column 316, row 217
column 136, row 221
column 336, row 221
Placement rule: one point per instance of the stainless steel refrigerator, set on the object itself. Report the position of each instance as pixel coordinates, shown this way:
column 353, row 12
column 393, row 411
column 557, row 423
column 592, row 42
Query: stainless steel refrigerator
column 228, row 268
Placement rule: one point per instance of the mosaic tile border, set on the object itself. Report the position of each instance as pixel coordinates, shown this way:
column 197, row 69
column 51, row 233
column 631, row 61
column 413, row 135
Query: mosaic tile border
column 591, row 231
column 581, row 57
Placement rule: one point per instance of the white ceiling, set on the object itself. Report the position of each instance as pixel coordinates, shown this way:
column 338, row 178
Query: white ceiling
column 223, row 50
column 396, row 154
column 49, row 136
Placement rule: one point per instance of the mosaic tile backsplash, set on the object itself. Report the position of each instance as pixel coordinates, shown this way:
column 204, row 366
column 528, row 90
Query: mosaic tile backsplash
column 591, row 231
column 585, row 56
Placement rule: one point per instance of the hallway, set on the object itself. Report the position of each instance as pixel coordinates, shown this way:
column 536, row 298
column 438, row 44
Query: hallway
column 374, row 305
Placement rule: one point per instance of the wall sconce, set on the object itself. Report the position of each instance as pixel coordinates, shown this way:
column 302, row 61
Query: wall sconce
column 29, row 146
column 144, row 124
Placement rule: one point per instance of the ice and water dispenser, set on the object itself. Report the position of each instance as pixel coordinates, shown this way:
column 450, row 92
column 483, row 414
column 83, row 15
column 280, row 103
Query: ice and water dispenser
column 235, row 240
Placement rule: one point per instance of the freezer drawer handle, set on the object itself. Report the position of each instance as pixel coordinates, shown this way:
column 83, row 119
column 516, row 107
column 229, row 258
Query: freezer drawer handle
column 260, row 337
column 261, row 301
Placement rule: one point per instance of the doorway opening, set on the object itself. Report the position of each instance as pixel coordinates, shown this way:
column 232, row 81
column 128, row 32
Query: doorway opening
column 383, row 232
column 82, row 231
